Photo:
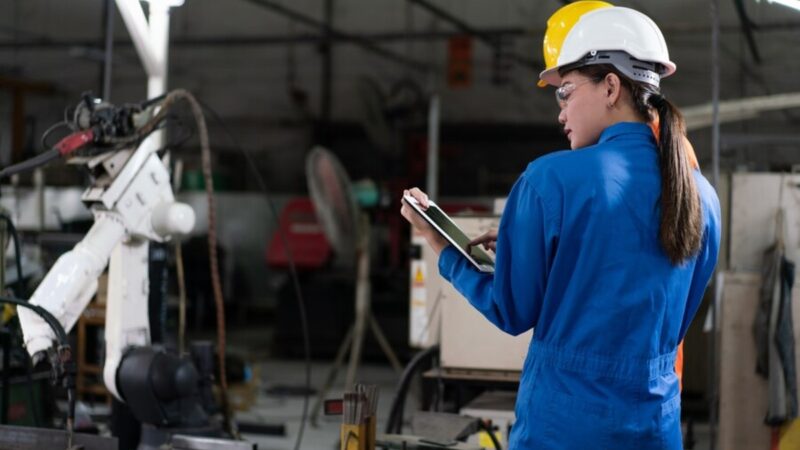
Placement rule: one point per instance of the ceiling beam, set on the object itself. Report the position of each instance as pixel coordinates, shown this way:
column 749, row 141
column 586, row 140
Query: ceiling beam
column 48, row 43
column 491, row 41
column 362, row 42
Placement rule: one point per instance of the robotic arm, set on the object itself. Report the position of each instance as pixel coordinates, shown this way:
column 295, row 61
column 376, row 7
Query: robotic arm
column 132, row 202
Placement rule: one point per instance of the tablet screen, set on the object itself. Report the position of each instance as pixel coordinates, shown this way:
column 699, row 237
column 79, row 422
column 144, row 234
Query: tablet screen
column 449, row 228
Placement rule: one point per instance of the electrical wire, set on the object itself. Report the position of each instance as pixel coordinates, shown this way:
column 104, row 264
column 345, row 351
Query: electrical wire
column 292, row 268
column 216, row 284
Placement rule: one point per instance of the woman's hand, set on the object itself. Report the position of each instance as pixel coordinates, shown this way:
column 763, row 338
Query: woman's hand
column 435, row 240
column 488, row 240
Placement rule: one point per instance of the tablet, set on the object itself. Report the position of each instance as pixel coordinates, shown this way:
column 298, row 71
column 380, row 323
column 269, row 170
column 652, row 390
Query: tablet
column 450, row 231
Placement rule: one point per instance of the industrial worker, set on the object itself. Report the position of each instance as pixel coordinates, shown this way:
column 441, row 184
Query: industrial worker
column 605, row 250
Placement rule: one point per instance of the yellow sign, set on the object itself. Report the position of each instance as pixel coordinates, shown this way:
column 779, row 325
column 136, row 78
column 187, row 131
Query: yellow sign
column 419, row 278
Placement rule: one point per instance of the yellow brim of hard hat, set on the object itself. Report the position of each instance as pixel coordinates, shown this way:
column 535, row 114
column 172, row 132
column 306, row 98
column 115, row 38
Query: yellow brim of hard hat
column 549, row 77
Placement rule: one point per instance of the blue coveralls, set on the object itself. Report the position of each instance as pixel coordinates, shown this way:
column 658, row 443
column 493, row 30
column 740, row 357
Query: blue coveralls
column 579, row 260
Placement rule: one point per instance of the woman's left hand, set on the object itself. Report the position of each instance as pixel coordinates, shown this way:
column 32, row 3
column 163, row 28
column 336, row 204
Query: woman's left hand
column 435, row 240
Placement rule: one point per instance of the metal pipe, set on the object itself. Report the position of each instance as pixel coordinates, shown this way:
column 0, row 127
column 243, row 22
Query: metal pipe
column 108, row 50
column 134, row 19
column 360, row 41
column 747, row 29
column 327, row 75
column 432, row 182
column 715, row 141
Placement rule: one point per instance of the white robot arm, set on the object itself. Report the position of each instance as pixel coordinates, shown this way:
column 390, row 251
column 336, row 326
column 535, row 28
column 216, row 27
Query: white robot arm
column 133, row 203
column 71, row 282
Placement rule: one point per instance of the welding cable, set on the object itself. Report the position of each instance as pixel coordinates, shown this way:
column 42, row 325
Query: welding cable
column 64, row 147
column 19, row 292
column 197, row 112
column 64, row 351
column 61, row 335
column 38, row 160
column 50, row 130
column 395, row 422
column 485, row 427
column 301, row 305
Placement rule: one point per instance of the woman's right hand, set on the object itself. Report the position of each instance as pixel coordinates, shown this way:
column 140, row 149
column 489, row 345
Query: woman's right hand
column 488, row 240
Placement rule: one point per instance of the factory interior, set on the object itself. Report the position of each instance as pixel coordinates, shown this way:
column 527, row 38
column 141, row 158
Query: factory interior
column 205, row 207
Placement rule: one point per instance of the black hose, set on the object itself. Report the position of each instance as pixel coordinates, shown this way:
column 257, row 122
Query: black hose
column 395, row 422
column 19, row 292
column 38, row 160
column 483, row 426
column 17, row 253
column 61, row 335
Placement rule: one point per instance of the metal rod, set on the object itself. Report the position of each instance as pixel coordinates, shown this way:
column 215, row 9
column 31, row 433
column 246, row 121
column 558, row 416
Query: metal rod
column 108, row 50
column 360, row 41
column 327, row 75
column 715, row 142
column 432, row 182
column 715, row 80
column 747, row 29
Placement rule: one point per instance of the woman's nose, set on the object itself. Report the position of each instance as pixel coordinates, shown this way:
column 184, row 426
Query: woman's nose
column 562, row 116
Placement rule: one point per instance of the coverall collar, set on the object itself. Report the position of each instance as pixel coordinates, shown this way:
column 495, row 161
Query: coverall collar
column 623, row 128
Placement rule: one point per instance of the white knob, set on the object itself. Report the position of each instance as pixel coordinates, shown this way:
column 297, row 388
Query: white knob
column 172, row 218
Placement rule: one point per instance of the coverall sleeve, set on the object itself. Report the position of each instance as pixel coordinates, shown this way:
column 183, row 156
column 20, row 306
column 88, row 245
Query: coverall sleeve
column 706, row 261
column 512, row 297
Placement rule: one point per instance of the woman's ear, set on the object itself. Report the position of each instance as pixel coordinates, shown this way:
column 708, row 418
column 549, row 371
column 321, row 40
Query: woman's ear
column 613, row 89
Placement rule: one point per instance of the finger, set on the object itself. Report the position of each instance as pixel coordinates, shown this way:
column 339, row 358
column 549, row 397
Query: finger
column 421, row 197
column 482, row 238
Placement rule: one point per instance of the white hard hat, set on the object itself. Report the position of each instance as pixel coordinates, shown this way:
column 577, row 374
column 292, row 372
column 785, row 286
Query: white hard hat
column 620, row 36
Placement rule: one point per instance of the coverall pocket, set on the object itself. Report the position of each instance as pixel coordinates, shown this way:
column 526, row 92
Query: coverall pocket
column 561, row 421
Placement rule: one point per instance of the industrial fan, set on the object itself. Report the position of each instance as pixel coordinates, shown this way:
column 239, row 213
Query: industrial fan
column 347, row 228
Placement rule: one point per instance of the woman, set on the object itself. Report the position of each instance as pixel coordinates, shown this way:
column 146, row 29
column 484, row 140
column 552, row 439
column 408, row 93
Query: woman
column 605, row 250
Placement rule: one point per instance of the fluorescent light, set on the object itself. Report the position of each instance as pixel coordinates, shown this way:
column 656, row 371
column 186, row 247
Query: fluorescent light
column 795, row 4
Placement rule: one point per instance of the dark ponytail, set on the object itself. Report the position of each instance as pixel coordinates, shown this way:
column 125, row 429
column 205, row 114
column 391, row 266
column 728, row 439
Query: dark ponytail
column 681, row 228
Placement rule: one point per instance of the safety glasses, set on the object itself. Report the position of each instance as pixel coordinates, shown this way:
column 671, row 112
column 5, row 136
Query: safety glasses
column 565, row 92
